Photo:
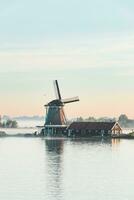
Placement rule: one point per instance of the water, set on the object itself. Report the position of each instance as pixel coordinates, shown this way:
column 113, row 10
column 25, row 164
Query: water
column 12, row 131
column 50, row 169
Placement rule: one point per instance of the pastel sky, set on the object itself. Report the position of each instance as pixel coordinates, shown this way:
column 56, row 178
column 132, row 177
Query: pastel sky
column 87, row 45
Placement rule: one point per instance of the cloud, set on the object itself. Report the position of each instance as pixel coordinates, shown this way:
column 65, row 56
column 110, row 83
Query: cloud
column 112, row 52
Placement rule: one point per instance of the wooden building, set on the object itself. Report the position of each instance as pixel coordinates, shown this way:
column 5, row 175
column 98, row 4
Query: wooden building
column 86, row 129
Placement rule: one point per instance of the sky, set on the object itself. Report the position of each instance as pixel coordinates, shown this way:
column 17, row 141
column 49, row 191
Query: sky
column 87, row 45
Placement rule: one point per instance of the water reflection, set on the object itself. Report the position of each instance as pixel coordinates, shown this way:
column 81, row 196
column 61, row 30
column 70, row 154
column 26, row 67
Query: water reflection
column 54, row 146
column 114, row 142
column 92, row 141
column 54, row 151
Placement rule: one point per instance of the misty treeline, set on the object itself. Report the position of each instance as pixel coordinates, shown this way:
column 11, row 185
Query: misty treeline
column 9, row 124
column 123, row 120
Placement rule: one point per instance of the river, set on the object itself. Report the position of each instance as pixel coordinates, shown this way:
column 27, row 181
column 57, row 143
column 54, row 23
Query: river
column 62, row 169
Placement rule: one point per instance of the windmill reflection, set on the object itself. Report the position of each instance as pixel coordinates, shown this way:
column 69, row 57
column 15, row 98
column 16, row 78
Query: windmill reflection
column 54, row 158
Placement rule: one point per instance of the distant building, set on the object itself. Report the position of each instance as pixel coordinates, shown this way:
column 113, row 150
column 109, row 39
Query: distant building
column 86, row 129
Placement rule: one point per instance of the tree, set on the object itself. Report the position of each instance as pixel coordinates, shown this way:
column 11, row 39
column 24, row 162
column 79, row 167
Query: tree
column 123, row 119
column 79, row 119
column 90, row 119
column 10, row 124
column 14, row 124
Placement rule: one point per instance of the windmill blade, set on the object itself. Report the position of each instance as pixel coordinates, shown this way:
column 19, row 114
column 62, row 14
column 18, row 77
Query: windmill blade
column 57, row 90
column 70, row 100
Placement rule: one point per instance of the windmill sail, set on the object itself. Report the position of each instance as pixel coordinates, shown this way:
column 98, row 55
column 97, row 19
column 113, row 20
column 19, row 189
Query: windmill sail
column 55, row 113
column 57, row 90
column 70, row 100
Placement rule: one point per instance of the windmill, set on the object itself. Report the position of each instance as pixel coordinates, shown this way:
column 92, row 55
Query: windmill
column 55, row 115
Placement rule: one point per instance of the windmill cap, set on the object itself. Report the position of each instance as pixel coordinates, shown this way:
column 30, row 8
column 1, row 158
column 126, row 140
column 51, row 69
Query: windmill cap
column 56, row 102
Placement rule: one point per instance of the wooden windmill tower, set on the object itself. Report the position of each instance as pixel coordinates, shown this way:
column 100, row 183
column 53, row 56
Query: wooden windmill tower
column 55, row 115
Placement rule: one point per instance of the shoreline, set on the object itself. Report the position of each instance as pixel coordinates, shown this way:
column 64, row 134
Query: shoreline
column 34, row 135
